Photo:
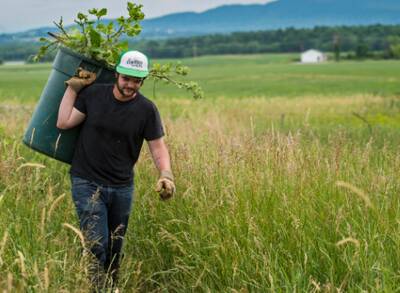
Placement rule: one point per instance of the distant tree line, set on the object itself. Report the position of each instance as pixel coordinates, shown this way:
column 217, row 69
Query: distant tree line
column 21, row 51
column 375, row 41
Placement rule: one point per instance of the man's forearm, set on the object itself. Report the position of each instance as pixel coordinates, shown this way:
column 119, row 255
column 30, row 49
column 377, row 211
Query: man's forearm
column 160, row 155
column 66, row 106
column 165, row 185
column 161, row 159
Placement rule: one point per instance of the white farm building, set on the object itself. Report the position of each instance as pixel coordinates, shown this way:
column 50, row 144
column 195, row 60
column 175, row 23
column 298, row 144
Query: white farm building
column 313, row 56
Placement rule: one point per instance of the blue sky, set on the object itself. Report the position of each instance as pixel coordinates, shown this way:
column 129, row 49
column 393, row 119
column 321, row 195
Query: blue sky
column 21, row 15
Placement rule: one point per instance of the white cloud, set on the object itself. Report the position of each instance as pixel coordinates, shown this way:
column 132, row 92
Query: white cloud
column 25, row 14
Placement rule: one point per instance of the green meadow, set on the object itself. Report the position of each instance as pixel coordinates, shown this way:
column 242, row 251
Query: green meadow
column 242, row 76
column 287, row 178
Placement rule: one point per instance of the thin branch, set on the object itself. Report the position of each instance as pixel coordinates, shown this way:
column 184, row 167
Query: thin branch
column 166, row 78
column 54, row 36
column 61, row 28
column 117, row 32
column 154, row 88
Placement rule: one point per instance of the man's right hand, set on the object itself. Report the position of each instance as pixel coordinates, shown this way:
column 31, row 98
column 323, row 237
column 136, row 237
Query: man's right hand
column 83, row 78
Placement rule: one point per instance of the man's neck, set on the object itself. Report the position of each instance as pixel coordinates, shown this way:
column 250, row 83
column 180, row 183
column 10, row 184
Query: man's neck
column 121, row 97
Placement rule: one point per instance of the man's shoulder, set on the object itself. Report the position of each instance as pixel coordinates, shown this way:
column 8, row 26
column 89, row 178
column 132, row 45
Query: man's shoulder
column 95, row 88
column 146, row 102
column 100, row 87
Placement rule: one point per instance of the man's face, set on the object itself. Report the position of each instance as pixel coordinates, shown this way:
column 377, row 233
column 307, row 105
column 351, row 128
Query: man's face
column 128, row 85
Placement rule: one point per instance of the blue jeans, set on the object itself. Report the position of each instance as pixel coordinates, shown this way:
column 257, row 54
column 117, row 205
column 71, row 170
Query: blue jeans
column 103, row 213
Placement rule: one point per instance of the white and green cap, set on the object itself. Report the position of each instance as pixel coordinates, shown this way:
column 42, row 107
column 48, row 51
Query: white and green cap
column 133, row 63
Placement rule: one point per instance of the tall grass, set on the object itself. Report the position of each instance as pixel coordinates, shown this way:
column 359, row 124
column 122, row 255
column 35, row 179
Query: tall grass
column 273, row 195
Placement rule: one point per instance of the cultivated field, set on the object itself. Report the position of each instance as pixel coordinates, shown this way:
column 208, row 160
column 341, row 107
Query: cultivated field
column 287, row 177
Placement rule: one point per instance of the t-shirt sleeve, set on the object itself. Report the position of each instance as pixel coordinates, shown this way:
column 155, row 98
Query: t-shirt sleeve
column 81, row 100
column 153, row 128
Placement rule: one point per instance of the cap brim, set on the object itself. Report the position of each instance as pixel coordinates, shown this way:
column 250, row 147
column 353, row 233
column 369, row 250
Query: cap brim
column 131, row 72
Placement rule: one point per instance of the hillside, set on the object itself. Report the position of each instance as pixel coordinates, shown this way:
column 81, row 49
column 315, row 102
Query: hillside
column 273, row 15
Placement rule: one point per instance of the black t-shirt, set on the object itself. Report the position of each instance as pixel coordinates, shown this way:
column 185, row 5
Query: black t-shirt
column 112, row 134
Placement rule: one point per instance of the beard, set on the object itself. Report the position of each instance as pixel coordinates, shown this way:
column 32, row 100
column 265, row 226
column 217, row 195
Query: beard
column 126, row 92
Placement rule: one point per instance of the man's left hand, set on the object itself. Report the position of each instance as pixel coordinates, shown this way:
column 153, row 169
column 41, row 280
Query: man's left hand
column 165, row 185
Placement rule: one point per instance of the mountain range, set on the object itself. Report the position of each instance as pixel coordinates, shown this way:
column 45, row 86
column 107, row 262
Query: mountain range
column 277, row 14
column 272, row 15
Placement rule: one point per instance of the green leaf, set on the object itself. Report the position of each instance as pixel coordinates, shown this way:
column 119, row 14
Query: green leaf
column 100, row 26
column 156, row 67
column 123, row 46
column 115, row 56
column 135, row 11
column 181, row 70
column 95, row 38
column 133, row 30
column 82, row 17
column 93, row 11
column 102, row 12
column 121, row 20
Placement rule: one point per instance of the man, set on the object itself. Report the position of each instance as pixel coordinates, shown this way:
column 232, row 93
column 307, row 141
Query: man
column 116, row 119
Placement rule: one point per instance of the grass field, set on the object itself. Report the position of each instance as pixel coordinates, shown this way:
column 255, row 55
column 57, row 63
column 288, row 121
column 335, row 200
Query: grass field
column 287, row 177
column 242, row 77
